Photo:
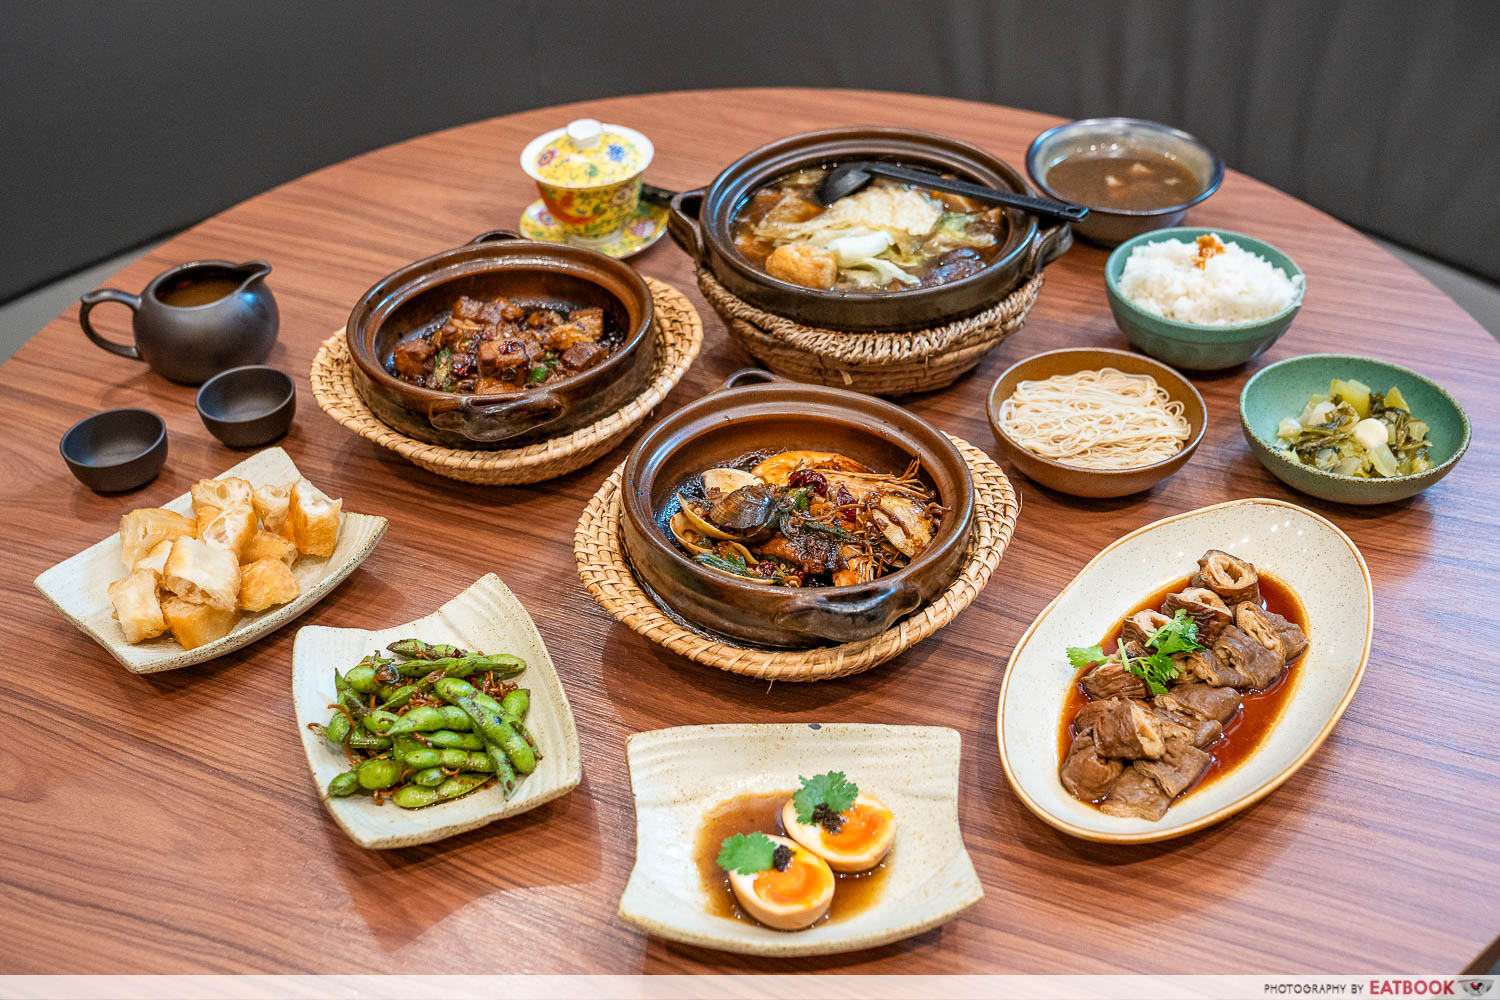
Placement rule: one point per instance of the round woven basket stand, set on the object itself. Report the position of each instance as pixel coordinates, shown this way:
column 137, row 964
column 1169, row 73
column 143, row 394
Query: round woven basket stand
column 679, row 333
column 606, row 574
column 883, row 364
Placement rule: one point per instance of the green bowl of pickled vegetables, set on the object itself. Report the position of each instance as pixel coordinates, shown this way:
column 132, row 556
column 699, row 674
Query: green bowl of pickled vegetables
column 1351, row 429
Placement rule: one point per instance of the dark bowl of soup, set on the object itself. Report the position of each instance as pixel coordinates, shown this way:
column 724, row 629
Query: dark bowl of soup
column 890, row 257
column 1134, row 175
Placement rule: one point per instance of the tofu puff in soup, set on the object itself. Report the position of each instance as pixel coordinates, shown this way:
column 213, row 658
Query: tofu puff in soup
column 887, row 236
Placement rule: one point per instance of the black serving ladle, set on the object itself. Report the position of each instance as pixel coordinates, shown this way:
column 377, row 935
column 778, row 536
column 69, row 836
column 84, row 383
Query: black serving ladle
column 848, row 178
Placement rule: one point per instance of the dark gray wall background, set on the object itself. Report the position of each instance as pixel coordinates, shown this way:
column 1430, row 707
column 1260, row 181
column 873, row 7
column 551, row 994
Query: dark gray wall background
column 126, row 120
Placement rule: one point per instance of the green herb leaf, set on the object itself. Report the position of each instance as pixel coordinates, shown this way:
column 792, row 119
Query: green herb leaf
column 1156, row 670
column 1083, row 656
column 832, row 790
column 1180, row 635
column 747, row 853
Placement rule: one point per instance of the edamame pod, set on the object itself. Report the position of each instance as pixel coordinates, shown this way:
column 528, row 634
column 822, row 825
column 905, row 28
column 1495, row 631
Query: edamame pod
column 495, row 731
column 426, row 718
column 380, row 722
column 418, row 796
column 516, row 703
column 500, row 664
column 348, row 697
column 379, row 772
column 450, row 760
column 500, row 764
column 429, row 777
column 520, row 727
column 361, row 739
column 343, row 784
column 416, row 649
column 362, row 679
column 447, row 739
column 337, row 729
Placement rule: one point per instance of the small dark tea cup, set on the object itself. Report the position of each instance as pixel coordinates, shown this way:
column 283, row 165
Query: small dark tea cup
column 249, row 406
column 116, row 450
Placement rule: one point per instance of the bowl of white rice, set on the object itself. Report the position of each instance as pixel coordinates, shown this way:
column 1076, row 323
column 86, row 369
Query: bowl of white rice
column 1202, row 299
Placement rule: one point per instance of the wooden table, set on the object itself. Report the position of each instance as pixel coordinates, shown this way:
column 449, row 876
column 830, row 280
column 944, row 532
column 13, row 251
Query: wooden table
column 168, row 823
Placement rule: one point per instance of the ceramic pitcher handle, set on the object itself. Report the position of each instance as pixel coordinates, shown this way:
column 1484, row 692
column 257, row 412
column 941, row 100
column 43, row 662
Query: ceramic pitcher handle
column 841, row 619
column 97, row 297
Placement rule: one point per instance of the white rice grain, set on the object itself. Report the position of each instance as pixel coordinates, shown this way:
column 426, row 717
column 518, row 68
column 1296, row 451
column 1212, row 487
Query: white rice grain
column 1233, row 286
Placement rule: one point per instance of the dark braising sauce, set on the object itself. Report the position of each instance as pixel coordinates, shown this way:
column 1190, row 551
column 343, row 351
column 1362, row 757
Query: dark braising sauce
column 1259, row 710
column 761, row 813
column 1135, row 182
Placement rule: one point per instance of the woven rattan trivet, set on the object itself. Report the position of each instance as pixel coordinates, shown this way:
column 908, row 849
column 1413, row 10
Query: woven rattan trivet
column 606, row 574
column 884, row 364
column 679, row 338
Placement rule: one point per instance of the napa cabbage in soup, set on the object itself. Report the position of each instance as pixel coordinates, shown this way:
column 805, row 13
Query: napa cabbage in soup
column 887, row 236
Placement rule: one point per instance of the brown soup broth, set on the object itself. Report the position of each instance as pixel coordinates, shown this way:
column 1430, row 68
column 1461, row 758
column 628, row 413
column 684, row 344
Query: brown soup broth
column 761, row 813
column 1259, row 710
column 1138, row 181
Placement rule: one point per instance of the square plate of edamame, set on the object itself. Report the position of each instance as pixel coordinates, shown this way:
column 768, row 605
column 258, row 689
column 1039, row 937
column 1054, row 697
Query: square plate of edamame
column 486, row 618
column 696, row 784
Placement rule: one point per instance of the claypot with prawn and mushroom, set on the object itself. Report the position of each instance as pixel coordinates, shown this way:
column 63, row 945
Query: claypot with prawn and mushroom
column 788, row 516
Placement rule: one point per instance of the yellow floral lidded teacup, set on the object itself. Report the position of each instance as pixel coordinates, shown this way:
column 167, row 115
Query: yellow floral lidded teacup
column 590, row 177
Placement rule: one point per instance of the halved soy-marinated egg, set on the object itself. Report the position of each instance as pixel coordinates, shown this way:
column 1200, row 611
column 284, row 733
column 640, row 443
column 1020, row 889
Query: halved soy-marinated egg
column 865, row 834
column 787, row 900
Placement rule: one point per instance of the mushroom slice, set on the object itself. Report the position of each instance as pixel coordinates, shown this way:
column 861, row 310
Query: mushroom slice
column 902, row 524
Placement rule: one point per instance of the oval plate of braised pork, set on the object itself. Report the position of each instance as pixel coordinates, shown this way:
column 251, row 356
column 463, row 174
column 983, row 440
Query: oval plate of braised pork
column 1192, row 667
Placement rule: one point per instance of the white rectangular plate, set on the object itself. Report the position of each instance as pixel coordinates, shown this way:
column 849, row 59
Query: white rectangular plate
column 486, row 618
column 78, row 586
column 679, row 775
column 1297, row 547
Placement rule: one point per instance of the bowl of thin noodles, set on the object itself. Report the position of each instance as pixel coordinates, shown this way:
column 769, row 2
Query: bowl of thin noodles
column 1095, row 422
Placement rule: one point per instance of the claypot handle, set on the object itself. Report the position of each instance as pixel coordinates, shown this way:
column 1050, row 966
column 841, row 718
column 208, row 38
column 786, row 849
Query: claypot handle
column 495, row 421
column 496, row 235
column 98, row 297
column 751, row 376
column 1049, row 245
column 830, row 616
column 682, row 223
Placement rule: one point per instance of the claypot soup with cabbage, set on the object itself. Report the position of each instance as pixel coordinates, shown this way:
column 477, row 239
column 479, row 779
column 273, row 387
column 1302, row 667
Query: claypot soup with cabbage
column 886, row 237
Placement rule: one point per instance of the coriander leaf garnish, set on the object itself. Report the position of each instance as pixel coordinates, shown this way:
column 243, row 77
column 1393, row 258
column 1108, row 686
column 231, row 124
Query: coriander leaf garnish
column 1180, row 635
column 747, row 853
column 823, row 797
column 1156, row 670
column 1083, row 656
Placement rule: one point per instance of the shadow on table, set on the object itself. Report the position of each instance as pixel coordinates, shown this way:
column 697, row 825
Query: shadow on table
column 401, row 894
